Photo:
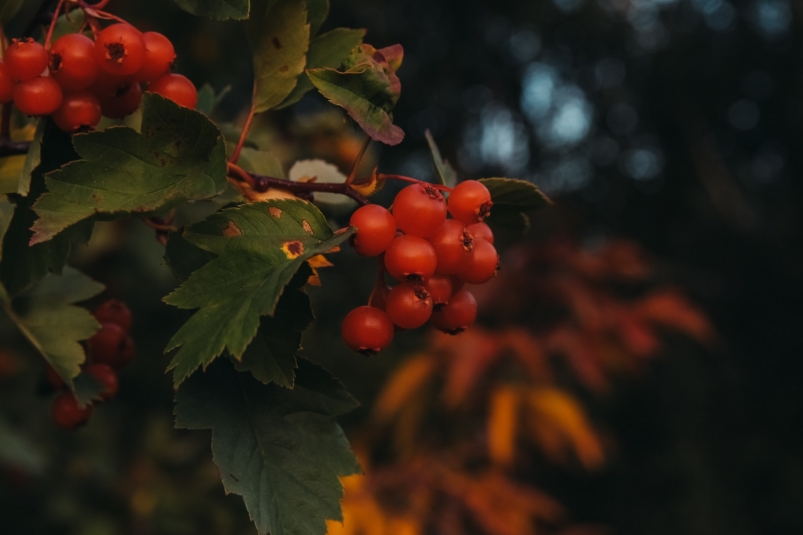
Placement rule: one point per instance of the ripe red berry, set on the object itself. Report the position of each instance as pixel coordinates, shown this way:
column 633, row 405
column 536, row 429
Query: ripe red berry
column 124, row 101
column 419, row 210
column 481, row 231
column 458, row 314
column 376, row 229
column 159, row 57
column 37, row 96
column 66, row 412
column 25, row 59
column 177, row 88
column 114, row 311
column 111, row 345
column 107, row 377
column 457, row 284
column 481, row 265
column 6, row 84
column 367, row 330
column 440, row 288
column 409, row 305
column 453, row 244
column 119, row 49
column 470, row 202
column 77, row 111
column 72, row 62
column 410, row 258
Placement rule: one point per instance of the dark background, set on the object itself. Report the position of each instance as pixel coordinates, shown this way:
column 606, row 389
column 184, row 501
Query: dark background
column 676, row 123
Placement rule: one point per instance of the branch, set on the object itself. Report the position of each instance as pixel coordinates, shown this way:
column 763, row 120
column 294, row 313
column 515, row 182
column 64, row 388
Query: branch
column 13, row 148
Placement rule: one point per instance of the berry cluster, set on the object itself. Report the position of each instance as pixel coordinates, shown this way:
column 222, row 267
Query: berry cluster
column 78, row 80
column 429, row 256
column 110, row 350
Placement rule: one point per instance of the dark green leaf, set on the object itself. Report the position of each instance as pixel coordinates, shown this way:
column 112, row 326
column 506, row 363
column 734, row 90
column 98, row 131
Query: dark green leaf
column 87, row 389
column 279, row 36
column 179, row 156
column 318, row 11
column 513, row 199
column 260, row 162
column 281, row 450
column 184, row 258
column 19, row 451
column 10, row 169
column 271, row 356
column 444, row 173
column 364, row 97
column 260, row 247
column 216, row 9
column 326, row 50
column 208, row 100
column 47, row 317
column 8, row 8
column 6, row 213
column 32, row 159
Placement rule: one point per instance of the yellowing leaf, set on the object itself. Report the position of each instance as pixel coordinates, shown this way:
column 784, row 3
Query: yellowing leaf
column 405, row 383
column 502, row 423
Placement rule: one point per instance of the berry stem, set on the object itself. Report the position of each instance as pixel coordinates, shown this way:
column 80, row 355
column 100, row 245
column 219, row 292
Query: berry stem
column 358, row 160
column 236, row 154
column 263, row 183
column 391, row 176
column 53, row 24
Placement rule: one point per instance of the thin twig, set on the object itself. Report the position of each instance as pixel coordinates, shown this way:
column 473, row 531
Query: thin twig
column 53, row 23
column 358, row 160
column 236, row 154
column 385, row 176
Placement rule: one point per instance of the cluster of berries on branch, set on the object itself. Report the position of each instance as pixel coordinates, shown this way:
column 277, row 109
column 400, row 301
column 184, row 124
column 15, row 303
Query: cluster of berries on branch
column 429, row 256
column 77, row 80
column 109, row 351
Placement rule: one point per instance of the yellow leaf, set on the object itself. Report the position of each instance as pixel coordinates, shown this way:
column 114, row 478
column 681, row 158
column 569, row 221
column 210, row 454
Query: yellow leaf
column 502, row 424
column 370, row 185
column 406, row 382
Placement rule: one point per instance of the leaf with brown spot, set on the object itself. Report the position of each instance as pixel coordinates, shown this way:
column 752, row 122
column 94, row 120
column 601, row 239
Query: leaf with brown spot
column 246, row 279
column 232, row 230
column 306, row 226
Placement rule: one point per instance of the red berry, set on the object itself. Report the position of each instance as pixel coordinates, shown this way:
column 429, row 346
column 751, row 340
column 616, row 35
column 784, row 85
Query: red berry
column 481, row 231
column 111, row 345
column 410, row 258
column 481, row 265
column 419, row 210
column 67, row 413
column 38, row 96
column 367, row 330
column 458, row 314
column 114, row 311
column 457, row 284
column 440, row 288
column 122, row 102
column 77, row 110
column 177, row 88
column 53, row 378
column 376, row 228
column 72, row 62
column 470, row 202
column 409, row 305
column 6, row 84
column 159, row 57
column 25, row 59
column 119, row 49
column 453, row 244
column 107, row 377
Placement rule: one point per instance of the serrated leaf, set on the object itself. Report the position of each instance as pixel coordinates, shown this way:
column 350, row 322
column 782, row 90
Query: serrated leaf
column 353, row 91
column 318, row 11
column 322, row 172
column 47, row 317
column 32, row 159
column 31, row 263
column 279, row 37
column 444, row 172
column 281, row 450
column 326, row 50
column 260, row 247
column 178, row 157
column 260, row 162
column 87, row 389
column 184, row 258
column 369, row 185
column 8, row 8
column 208, row 100
column 513, row 199
column 216, row 9
column 271, row 356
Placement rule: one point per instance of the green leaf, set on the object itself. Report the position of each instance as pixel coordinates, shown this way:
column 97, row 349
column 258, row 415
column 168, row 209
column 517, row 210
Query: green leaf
column 8, row 8
column 279, row 36
column 208, row 100
column 6, row 213
column 513, row 199
column 444, row 173
column 20, row 451
column 10, row 169
column 47, row 317
column 260, row 247
column 271, row 356
column 24, row 264
column 216, row 9
column 326, row 50
column 318, row 11
column 179, row 157
column 364, row 97
column 281, row 450
column 184, row 258
column 260, row 162
column 32, row 159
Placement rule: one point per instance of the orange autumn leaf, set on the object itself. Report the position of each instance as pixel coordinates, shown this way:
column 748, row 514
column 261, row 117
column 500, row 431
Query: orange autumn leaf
column 671, row 309
column 405, row 383
column 502, row 424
